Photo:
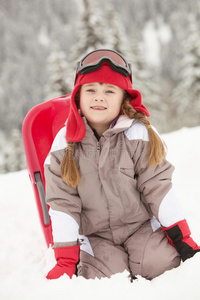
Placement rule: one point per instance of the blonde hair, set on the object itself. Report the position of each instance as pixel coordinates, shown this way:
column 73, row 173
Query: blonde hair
column 69, row 171
column 156, row 151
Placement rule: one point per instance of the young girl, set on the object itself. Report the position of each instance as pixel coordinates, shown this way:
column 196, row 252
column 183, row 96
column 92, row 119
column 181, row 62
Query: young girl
column 108, row 183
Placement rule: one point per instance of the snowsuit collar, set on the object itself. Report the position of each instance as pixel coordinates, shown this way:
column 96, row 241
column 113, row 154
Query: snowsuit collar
column 122, row 123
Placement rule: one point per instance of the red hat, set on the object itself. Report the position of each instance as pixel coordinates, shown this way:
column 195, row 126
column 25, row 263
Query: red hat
column 75, row 126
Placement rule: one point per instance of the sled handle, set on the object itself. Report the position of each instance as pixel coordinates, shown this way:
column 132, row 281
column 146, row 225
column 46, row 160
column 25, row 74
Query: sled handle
column 40, row 188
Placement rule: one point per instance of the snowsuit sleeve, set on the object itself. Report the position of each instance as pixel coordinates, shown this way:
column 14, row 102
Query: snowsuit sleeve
column 64, row 201
column 155, row 183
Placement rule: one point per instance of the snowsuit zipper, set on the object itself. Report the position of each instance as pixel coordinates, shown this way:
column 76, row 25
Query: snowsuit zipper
column 98, row 151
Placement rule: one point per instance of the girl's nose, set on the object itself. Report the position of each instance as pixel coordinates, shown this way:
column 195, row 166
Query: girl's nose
column 99, row 98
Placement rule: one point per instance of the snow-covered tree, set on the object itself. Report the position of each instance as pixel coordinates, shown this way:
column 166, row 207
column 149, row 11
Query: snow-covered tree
column 190, row 73
column 12, row 156
column 57, row 69
column 187, row 94
column 148, row 83
column 91, row 31
column 118, row 38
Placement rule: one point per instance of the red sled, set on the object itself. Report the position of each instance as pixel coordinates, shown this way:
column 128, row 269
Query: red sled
column 39, row 129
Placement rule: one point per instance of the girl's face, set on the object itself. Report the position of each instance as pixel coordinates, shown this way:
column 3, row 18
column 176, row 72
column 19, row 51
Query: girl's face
column 100, row 103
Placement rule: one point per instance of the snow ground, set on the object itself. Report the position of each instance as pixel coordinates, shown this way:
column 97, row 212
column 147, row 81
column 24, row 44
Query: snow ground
column 24, row 258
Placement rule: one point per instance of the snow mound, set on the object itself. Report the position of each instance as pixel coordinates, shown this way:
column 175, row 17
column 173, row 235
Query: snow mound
column 25, row 260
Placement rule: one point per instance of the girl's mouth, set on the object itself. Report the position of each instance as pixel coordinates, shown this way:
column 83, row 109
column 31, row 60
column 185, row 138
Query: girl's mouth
column 98, row 107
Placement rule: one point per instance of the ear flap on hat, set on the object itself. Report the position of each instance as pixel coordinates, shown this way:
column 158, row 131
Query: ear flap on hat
column 136, row 102
column 75, row 127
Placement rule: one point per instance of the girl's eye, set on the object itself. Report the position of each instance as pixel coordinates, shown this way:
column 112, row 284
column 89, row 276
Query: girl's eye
column 109, row 92
column 90, row 90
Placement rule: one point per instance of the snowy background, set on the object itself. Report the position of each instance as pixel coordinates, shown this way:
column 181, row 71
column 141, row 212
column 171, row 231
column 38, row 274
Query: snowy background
column 25, row 260
column 41, row 42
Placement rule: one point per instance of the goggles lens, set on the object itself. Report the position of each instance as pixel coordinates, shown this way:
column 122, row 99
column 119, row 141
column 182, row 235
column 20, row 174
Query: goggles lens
column 94, row 60
column 98, row 54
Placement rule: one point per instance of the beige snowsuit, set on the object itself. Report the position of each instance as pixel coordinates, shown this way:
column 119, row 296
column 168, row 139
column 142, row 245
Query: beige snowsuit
column 118, row 207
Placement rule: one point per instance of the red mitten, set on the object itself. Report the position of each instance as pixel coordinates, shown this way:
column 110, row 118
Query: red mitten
column 179, row 236
column 67, row 258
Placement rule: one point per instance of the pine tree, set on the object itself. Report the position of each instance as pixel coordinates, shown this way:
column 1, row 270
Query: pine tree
column 187, row 93
column 91, row 31
column 147, row 82
column 117, row 36
column 59, row 83
column 12, row 157
column 190, row 74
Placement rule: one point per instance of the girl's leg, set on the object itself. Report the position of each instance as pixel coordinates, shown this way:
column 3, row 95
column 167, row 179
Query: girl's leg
column 150, row 253
column 108, row 259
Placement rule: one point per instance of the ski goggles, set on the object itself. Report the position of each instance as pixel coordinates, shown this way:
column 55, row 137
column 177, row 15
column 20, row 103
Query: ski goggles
column 95, row 59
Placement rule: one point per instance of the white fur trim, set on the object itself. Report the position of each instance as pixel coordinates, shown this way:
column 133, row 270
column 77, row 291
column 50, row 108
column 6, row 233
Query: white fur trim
column 58, row 144
column 64, row 227
column 170, row 210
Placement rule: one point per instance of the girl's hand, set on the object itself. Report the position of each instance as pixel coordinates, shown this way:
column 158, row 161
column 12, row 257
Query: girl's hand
column 67, row 258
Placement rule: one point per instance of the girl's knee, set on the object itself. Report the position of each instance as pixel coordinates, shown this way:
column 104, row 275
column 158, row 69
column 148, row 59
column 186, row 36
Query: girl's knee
column 152, row 255
column 159, row 263
column 159, row 256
